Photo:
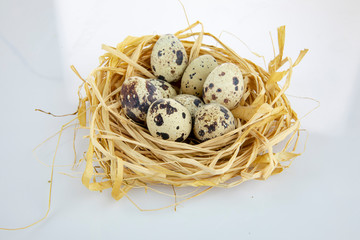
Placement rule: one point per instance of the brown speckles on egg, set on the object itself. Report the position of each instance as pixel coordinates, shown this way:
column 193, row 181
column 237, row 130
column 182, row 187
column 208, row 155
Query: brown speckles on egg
column 197, row 102
column 164, row 87
column 136, row 95
column 164, row 136
column 129, row 96
column 168, row 58
column 225, row 112
column 201, row 116
column 181, row 138
column 192, row 103
column 131, row 115
column 195, row 73
column 224, row 124
column 151, row 89
column 213, row 120
column 158, row 120
column 201, row 133
column 228, row 78
column 169, row 120
column 179, row 57
column 168, row 107
column 235, row 81
column 211, row 127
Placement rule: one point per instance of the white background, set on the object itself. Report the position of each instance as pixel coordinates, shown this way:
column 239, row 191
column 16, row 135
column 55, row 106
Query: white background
column 316, row 198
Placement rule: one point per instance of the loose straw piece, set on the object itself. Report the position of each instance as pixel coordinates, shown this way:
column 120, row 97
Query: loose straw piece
column 51, row 183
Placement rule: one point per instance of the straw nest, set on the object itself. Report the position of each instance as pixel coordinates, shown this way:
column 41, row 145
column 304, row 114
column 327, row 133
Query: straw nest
column 123, row 155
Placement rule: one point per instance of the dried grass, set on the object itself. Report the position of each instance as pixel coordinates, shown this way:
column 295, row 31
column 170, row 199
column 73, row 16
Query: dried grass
column 123, row 155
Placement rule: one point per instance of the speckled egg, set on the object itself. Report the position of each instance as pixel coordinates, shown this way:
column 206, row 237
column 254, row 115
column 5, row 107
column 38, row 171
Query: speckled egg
column 136, row 96
column 169, row 120
column 213, row 120
column 192, row 103
column 164, row 87
column 196, row 73
column 224, row 85
column 168, row 58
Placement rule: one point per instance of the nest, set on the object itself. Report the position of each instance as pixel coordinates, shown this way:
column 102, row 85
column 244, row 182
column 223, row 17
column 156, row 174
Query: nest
column 123, row 155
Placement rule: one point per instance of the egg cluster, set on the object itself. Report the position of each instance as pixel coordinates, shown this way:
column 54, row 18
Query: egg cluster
column 207, row 94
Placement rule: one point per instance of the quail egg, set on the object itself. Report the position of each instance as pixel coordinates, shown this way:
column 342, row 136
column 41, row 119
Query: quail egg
column 169, row 120
column 224, row 85
column 136, row 95
column 196, row 73
column 165, row 88
column 168, row 58
column 213, row 120
column 192, row 103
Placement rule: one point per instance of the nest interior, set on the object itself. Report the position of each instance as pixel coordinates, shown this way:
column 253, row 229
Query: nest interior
column 123, row 155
